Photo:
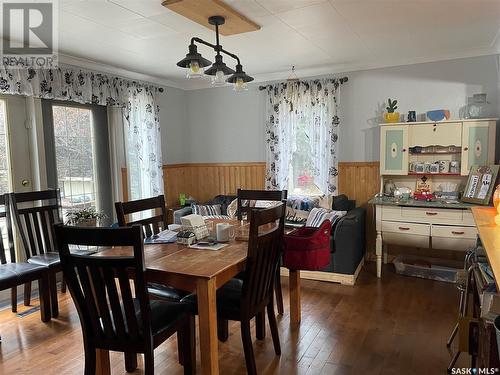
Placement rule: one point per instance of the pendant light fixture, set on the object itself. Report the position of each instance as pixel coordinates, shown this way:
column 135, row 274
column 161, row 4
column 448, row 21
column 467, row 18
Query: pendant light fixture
column 219, row 71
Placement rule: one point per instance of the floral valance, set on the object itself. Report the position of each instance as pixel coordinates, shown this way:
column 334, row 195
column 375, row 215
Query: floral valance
column 68, row 83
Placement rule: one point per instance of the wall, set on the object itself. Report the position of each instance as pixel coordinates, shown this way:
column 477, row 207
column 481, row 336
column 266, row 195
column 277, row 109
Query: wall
column 224, row 126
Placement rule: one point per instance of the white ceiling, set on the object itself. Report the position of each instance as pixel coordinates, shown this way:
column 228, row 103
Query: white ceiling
column 317, row 36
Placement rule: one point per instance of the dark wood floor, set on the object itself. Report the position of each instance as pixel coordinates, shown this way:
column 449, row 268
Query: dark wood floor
column 397, row 325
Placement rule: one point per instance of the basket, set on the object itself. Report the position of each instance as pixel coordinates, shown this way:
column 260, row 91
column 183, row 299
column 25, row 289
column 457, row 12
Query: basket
column 200, row 231
column 308, row 248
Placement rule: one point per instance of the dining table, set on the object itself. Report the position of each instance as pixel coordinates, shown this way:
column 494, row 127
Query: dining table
column 202, row 272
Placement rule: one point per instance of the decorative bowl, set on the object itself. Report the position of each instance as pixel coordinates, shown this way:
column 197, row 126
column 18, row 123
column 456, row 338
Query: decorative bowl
column 391, row 117
column 438, row 115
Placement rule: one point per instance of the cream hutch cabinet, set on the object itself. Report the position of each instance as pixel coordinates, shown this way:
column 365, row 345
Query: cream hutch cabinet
column 440, row 224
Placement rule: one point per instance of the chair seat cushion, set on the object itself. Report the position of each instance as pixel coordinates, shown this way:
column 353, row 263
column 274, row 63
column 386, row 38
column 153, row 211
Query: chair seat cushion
column 228, row 300
column 164, row 314
column 165, row 292
column 50, row 259
column 16, row 273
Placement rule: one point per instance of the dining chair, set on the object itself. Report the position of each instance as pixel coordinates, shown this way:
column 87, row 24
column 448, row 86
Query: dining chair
column 114, row 316
column 242, row 300
column 151, row 225
column 12, row 273
column 265, row 195
column 35, row 213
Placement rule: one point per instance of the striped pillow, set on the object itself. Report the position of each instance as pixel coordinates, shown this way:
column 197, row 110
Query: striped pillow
column 318, row 215
column 207, row 209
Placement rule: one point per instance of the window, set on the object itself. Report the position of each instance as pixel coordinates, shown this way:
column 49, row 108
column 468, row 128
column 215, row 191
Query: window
column 303, row 164
column 74, row 140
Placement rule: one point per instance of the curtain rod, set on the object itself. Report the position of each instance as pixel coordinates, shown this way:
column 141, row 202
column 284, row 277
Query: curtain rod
column 341, row 80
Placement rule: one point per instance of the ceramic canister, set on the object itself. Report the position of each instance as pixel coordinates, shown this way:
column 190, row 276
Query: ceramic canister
column 454, row 166
column 444, row 166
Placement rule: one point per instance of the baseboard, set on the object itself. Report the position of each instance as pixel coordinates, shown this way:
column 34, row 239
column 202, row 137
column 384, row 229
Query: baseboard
column 330, row 277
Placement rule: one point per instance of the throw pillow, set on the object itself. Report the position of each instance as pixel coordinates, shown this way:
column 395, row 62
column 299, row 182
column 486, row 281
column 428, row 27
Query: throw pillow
column 232, row 208
column 206, row 210
column 266, row 204
column 318, row 215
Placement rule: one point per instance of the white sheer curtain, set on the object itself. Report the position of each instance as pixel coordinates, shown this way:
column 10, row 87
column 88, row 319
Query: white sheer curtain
column 143, row 144
column 316, row 104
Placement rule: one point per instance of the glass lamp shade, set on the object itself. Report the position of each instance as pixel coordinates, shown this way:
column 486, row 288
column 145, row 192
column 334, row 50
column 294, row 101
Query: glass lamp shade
column 194, row 70
column 219, row 79
column 240, row 85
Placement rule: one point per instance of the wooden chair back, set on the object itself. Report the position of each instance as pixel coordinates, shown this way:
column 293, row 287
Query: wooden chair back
column 5, row 215
column 35, row 213
column 151, row 225
column 101, row 287
column 254, row 195
column 264, row 251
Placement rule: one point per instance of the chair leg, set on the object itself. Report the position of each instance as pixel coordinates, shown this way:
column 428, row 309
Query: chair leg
column 279, row 294
column 246, row 337
column 189, row 345
column 130, row 361
column 260, row 326
column 180, row 346
column 27, row 293
column 149, row 362
column 13, row 299
column 222, row 330
column 273, row 326
column 63, row 285
column 44, row 291
column 90, row 360
column 54, row 304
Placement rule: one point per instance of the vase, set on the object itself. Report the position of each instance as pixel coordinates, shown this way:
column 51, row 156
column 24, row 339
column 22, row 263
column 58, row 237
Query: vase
column 391, row 117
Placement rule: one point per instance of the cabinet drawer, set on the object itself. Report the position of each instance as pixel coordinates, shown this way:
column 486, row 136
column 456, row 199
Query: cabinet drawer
column 468, row 219
column 391, row 213
column 406, row 228
column 449, row 134
column 457, row 244
column 432, row 215
column 452, row 231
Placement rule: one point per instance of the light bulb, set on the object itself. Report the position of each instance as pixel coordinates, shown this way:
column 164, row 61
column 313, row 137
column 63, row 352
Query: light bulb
column 219, row 79
column 194, row 70
column 240, row 85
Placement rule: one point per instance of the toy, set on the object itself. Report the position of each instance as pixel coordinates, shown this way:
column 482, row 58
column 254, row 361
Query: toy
column 424, row 196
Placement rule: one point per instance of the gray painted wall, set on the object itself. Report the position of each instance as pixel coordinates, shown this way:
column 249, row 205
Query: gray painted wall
column 219, row 125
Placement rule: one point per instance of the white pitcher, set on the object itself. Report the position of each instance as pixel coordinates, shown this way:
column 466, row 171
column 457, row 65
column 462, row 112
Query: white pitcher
column 224, row 231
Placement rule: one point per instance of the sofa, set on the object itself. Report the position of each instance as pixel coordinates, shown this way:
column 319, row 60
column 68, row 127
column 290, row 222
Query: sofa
column 347, row 241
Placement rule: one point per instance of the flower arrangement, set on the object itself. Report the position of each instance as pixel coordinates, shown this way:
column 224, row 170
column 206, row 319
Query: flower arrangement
column 87, row 217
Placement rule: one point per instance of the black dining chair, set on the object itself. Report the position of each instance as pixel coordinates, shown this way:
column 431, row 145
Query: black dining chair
column 242, row 300
column 113, row 315
column 151, row 225
column 12, row 273
column 35, row 213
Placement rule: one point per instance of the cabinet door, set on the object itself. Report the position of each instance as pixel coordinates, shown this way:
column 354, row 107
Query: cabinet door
column 394, row 149
column 437, row 134
column 478, row 147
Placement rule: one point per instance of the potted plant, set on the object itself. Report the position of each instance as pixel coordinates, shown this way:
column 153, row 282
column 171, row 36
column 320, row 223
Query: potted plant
column 84, row 217
column 391, row 115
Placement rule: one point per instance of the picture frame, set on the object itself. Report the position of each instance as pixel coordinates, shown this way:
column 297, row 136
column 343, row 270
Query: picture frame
column 480, row 184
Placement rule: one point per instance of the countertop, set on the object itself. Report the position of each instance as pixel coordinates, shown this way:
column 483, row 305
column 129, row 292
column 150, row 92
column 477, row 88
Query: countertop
column 489, row 233
column 386, row 201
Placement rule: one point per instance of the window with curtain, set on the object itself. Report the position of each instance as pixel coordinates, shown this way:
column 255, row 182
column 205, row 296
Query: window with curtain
column 302, row 136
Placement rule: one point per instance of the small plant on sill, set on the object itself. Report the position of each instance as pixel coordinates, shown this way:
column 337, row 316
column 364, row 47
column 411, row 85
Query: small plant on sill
column 86, row 217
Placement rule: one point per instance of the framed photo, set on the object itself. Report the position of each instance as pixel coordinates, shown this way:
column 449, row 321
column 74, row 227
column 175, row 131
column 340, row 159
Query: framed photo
column 480, row 184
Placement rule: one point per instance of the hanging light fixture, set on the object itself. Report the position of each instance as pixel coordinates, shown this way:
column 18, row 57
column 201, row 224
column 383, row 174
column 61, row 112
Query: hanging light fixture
column 194, row 62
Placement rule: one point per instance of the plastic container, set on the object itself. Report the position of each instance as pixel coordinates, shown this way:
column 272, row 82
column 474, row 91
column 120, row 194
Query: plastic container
column 427, row 268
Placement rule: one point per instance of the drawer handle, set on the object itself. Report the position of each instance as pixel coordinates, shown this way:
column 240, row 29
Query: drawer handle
column 431, row 213
column 404, row 228
column 455, row 232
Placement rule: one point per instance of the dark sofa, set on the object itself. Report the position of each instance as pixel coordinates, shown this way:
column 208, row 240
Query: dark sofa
column 347, row 242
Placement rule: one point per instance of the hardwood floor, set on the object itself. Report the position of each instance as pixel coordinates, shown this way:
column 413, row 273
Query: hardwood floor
column 397, row 325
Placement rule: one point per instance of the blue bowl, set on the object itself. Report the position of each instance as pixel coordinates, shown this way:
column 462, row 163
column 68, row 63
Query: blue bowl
column 438, row 114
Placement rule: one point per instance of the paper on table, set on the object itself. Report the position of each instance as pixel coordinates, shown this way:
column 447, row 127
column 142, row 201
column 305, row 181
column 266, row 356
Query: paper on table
column 215, row 246
column 164, row 236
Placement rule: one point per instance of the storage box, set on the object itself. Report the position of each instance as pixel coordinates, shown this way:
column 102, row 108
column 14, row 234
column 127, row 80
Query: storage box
column 427, row 268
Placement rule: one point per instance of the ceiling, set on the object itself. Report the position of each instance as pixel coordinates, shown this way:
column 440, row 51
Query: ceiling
column 142, row 39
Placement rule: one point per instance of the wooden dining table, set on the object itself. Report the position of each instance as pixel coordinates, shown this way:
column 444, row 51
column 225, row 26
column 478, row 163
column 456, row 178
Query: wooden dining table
column 193, row 270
